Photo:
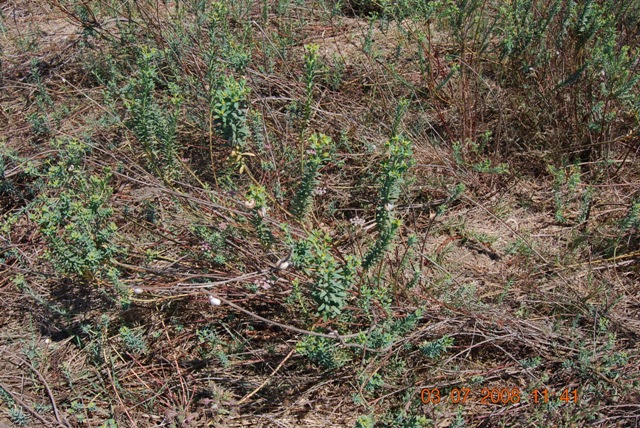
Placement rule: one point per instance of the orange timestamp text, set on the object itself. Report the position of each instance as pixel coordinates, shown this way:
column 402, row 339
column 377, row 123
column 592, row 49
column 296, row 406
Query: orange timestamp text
column 496, row 396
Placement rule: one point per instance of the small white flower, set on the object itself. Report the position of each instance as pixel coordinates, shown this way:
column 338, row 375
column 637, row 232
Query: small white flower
column 47, row 341
column 283, row 265
column 214, row 301
column 357, row 221
column 138, row 290
column 265, row 284
column 320, row 191
column 389, row 206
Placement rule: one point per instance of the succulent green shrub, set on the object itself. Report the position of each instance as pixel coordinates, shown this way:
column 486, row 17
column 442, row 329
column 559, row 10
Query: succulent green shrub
column 41, row 120
column 435, row 348
column 153, row 124
column 213, row 244
column 366, row 421
column 74, row 216
column 398, row 161
column 18, row 416
column 322, row 351
column 133, row 341
column 311, row 68
column 577, row 52
column 629, row 226
column 330, row 279
column 318, row 153
column 257, row 201
column 228, row 104
column 566, row 191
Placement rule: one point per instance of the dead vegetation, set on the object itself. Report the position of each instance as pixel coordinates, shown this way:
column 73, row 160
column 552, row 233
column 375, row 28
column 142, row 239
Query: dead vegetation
column 144, row 227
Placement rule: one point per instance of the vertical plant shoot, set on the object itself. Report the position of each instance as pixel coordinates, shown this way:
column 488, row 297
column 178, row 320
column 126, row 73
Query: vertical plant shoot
column 318, row 153
column 153, row 124
column 311, row 65
column 399, row 160
column 257, row 201
column 228, row 105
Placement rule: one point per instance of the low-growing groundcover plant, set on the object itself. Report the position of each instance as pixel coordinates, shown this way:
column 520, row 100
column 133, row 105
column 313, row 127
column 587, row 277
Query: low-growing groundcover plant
column 325, row 213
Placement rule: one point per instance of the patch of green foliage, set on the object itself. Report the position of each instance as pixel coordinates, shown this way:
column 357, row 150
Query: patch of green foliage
column 331, row 279
column 75, row 214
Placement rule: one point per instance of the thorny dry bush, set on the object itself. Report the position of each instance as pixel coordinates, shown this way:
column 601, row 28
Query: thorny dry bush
column 319, row 213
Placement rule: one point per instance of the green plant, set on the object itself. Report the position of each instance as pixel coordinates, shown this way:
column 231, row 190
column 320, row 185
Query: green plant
column 228, row 104
column 402, row 419
column 311, row 68
column 6, row 397
column 40, row 120
column 18, row 416
column 566, row 182
column 81, row 411
column 75, row 221
column 434, row 349
column 109, row 423
column 399, row 160
column 392, row 329
column 153, row 125
column 519, row 247
column 133, row 341
column 578, row 53
column 322, row 351
column 335, row 72
column 456, row 192
column 531, row 363
column 632, row 219
column 371, row 383
column 524, row 30
column 331, row 280
column 213, row 244
column 476, row 156
column 366, row 421
column 211, row 345
column 257, row 201
column 367, row 44
column 401, row 110
column 3, row 31
column 318, row 154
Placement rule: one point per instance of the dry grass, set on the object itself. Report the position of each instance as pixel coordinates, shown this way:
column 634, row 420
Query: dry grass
column 529, row 302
